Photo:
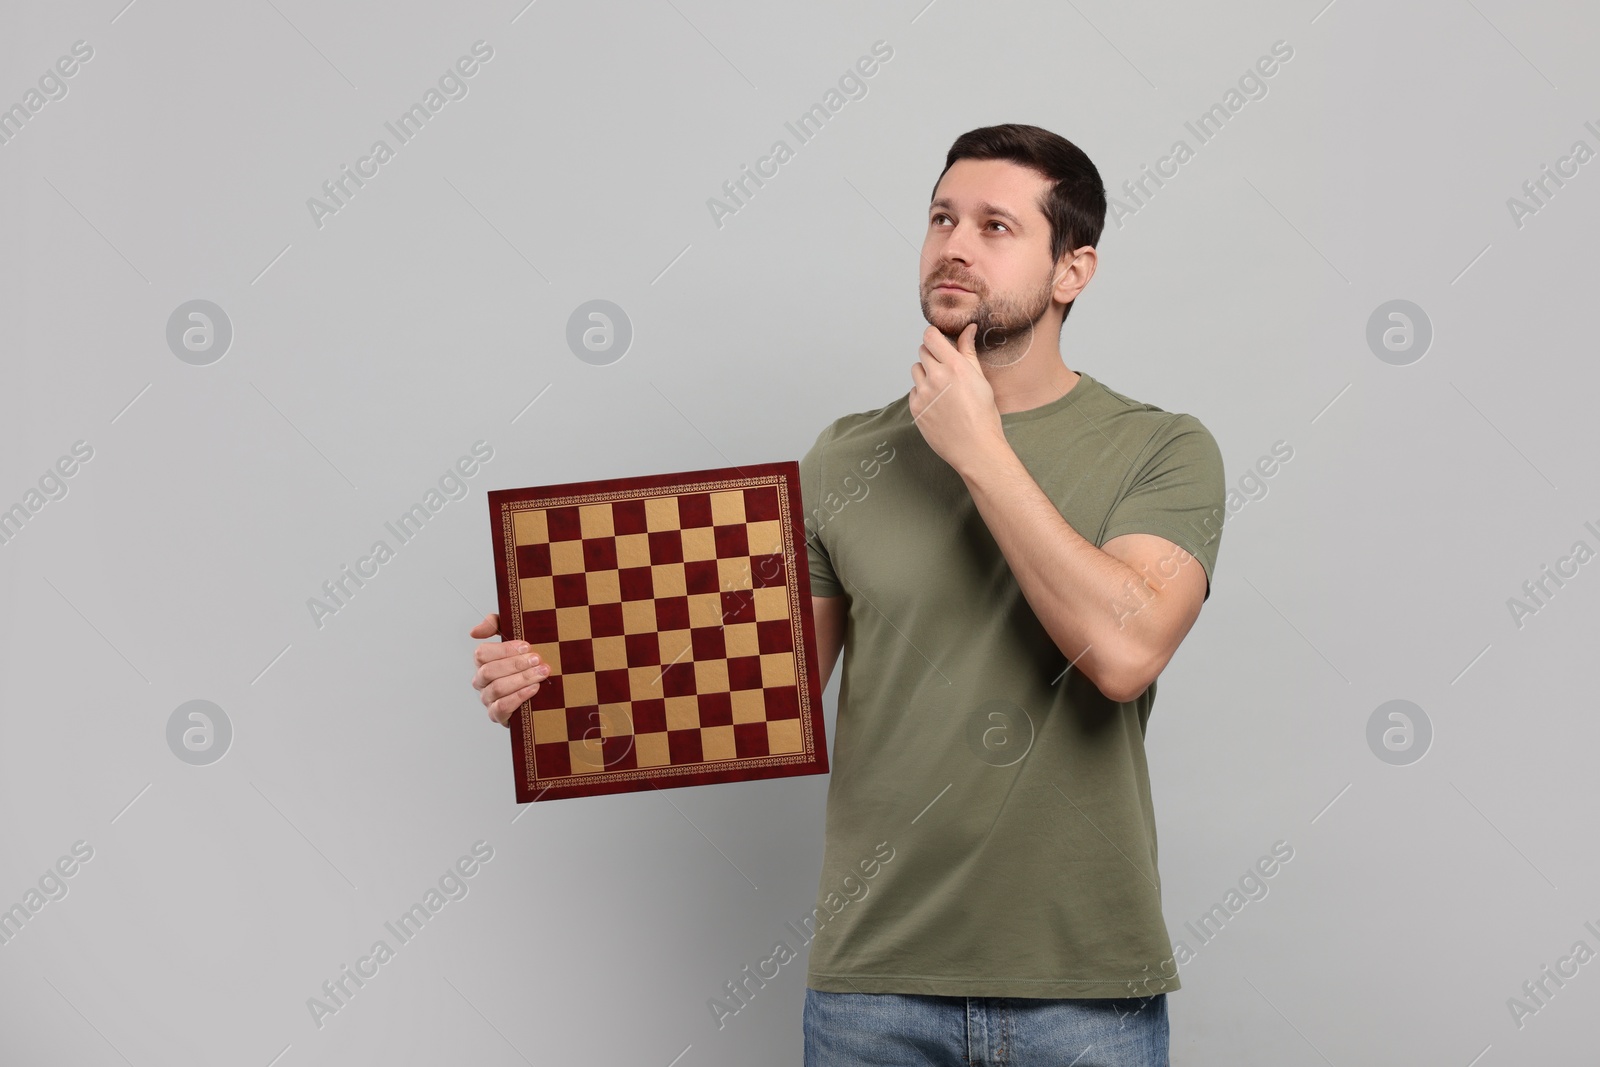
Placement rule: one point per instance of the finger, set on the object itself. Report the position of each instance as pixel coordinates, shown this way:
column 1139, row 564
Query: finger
column 937, row 345
column 919, row 379
column 508, row 674
column 487, row 628
column 509, row 684
column 504, row 719
column 489, row 651
column 968, row 340
column 501, row 710
column 495, row 670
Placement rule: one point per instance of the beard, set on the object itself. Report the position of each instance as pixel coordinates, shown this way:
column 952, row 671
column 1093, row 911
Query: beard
column 1005, row 322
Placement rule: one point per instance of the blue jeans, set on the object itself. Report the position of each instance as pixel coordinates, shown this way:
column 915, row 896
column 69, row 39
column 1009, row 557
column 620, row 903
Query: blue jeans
column 915, row 1030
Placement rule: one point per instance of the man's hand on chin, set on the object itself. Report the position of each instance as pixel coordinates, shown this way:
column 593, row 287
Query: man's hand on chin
column 951, row 400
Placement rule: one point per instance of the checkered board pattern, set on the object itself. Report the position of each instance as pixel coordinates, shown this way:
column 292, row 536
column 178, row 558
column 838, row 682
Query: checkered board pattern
column 675, row 612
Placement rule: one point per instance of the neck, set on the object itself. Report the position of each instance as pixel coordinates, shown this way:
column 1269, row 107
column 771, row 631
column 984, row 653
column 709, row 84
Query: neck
column 1028, row 383
column 1028, row 371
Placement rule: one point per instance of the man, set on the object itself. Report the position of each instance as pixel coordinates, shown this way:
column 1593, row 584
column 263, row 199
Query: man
column 1008, row 556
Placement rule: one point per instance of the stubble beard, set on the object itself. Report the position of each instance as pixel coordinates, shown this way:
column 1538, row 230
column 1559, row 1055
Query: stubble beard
column 1005, row 323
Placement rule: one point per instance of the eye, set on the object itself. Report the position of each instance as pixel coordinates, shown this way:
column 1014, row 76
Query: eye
column 934, row 221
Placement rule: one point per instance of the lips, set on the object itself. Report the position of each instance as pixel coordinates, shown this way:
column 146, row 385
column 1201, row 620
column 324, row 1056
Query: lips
column 953, row 285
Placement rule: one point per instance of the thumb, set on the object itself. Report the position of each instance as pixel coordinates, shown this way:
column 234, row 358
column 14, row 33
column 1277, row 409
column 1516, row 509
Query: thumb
column 967, row 342
column 488, row 627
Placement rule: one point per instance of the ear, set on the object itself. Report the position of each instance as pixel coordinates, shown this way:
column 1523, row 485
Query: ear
column 1073, row 272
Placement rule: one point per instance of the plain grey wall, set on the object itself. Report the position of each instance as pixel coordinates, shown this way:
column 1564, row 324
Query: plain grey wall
column 370, row 351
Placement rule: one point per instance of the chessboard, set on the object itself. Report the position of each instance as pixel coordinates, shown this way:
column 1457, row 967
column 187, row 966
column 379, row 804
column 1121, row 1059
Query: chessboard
column 675, row 613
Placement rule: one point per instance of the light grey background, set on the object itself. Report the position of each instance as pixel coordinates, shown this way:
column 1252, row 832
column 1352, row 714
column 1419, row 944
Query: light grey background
column 430, row 312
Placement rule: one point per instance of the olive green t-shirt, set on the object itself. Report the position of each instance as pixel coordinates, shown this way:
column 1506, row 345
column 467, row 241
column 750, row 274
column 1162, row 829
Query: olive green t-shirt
column 990, row 830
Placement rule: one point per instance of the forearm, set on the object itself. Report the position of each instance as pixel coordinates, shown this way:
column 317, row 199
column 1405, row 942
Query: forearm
column 1087, row 600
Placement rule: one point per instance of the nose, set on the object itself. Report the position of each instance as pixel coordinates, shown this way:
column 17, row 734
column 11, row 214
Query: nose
column 956, row 256
column 951, row 258
column 955, row 245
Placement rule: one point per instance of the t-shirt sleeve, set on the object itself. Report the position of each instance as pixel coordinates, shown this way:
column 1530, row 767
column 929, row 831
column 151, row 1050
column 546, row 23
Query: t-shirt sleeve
column 824, row 582
column 1178, row 493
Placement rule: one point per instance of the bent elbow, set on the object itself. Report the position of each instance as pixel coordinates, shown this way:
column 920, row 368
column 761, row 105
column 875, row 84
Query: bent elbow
column 1122, row 693
column 1121, row 674
column 1127, row 681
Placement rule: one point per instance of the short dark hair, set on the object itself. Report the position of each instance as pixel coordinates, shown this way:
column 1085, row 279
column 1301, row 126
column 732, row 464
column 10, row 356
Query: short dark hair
column 1075, row 204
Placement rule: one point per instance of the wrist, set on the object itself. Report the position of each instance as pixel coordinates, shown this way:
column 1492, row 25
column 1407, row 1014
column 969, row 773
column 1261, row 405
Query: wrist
column 982, row 463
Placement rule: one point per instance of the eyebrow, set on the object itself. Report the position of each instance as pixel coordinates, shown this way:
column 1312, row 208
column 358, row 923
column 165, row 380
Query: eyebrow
column 984, row 208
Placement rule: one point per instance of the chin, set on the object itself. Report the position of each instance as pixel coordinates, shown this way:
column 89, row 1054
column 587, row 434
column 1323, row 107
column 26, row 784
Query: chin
column 950, row 325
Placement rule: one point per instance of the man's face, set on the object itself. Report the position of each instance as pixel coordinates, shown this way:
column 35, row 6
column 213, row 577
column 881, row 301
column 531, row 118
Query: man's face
column 987, row 236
